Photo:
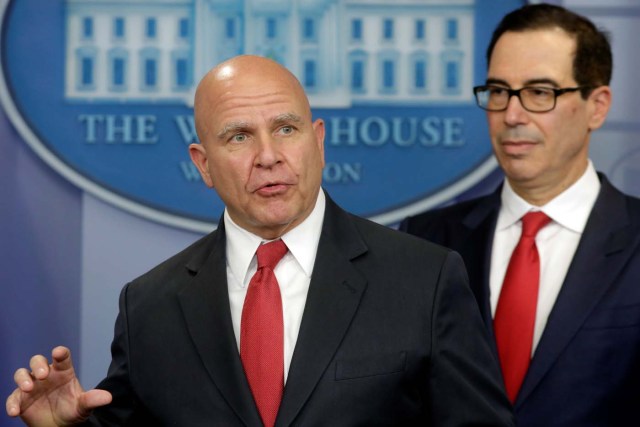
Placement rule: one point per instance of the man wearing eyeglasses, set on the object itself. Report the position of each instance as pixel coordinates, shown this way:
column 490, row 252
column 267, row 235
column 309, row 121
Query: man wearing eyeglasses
column 553, row 254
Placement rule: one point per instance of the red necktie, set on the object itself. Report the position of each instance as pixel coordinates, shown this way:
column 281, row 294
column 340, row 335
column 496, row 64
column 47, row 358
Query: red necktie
column 516, row 312
column 261, row 333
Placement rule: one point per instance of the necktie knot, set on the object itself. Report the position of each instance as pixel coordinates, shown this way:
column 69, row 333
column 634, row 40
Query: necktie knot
column 270, row 254
column 532, row 222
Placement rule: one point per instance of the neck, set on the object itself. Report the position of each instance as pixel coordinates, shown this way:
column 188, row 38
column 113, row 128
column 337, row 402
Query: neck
column 541, row 193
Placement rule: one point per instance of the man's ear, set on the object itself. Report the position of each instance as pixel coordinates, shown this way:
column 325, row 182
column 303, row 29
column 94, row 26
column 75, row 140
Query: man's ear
column 199, row 158
column 319, row 130
column 600, row 99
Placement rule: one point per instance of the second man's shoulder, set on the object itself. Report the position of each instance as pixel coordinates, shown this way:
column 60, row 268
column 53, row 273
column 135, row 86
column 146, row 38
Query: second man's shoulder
column 422, row 224
column 380, row 237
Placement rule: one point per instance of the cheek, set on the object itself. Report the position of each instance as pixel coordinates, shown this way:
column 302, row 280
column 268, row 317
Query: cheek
column 225, row 173
column 313, row 169
column 560, row 131
column 495, row 124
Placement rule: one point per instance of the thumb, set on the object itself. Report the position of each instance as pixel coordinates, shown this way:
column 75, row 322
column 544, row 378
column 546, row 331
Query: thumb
column 92, row 399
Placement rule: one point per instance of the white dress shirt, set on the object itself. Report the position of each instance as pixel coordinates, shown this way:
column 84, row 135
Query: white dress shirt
column 293, row 271
column 556, row 242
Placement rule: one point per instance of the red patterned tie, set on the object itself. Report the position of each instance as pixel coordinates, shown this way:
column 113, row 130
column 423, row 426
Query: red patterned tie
column 516, row 312
column 261, row 333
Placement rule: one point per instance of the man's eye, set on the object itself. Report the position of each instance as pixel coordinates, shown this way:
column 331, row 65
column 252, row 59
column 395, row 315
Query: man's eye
column 239, row 138
column 287, row 130
column 496, row 91
column 540, row 91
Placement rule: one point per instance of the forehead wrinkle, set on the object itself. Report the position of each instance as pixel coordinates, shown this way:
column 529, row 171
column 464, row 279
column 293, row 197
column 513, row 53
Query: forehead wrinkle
column 266, row 98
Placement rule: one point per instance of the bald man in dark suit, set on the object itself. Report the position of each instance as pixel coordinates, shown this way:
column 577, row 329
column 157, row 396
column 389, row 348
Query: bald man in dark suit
column 379, row 328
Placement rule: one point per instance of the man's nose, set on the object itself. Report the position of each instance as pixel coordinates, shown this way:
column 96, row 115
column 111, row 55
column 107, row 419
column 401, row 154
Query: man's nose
column 515, row 113
column 268, row 151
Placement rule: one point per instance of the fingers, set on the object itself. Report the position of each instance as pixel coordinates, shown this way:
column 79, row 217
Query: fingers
column 13, row 403
column 39, row 370
column 39, row 367
column 41, row 384
column 61, row 358
column 23, row 379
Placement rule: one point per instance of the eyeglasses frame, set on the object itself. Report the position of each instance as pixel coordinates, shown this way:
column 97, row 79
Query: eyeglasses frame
column 516, row 92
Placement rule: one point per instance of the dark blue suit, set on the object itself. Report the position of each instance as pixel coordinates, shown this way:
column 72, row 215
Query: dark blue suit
column 586, row 368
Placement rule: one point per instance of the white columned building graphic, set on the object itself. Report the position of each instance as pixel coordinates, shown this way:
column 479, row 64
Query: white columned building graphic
column 345, row 52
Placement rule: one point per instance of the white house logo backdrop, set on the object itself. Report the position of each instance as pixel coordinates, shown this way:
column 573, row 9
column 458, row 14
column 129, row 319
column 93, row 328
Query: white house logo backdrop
column 103, row 92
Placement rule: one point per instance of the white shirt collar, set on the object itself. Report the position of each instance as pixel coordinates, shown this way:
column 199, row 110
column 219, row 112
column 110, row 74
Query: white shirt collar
column 570, row 209
column 302, row 242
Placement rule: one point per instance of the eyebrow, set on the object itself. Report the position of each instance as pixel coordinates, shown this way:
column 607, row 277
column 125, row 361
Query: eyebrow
column 287, row 118
column 240, row 126
column 233, row 127
column 531, row 82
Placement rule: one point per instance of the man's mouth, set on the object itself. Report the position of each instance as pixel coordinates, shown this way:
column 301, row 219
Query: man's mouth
column 272, row 189
column 515, row 147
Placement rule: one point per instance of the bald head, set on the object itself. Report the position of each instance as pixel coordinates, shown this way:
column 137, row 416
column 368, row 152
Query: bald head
column 259, row 147
column 239, row 76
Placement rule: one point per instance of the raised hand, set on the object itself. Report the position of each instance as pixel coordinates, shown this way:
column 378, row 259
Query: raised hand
column 51, row 395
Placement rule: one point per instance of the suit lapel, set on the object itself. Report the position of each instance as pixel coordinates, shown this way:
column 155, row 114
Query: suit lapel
column 606, row 244
column 205, row 306
column 334, row 295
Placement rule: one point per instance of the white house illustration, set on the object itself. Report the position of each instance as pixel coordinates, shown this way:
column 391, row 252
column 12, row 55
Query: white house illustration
column 345, row 52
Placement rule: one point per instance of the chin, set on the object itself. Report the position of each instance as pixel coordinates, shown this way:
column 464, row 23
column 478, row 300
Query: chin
column 276, row 219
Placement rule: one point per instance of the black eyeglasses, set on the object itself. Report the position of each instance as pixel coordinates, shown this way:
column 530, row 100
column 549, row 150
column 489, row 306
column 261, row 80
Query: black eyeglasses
column 535, row 99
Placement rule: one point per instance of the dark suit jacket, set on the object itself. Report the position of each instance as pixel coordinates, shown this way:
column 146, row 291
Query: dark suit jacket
column 390, row 335
column 586, row 368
